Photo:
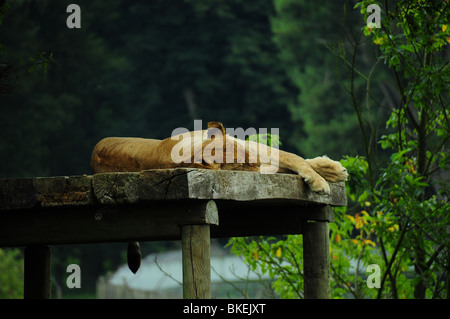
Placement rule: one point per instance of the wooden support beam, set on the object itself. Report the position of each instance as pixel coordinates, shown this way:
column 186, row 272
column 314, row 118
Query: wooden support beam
column 37, row 272
column 154, row 221
column 265, row 218
column 316, row 260
column 196, row 261
column 115, row 223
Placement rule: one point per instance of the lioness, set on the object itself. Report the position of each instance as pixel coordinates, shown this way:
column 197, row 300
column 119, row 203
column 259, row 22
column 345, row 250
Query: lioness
column 209, row 149
column 119, row 154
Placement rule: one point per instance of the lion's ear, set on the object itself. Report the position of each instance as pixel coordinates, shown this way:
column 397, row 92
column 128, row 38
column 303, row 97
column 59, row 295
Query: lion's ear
column 217, row 125
column 325, row 156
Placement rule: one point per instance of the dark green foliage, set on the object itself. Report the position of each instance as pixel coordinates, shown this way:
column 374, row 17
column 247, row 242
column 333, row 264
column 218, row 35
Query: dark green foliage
column 133, row 69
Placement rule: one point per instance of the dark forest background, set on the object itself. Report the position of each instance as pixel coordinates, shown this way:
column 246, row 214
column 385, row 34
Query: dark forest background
column 144, row 68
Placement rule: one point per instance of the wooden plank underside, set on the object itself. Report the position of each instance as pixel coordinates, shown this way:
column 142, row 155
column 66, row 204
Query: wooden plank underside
column 104, row 224
column 257, row 220
column 154, row 221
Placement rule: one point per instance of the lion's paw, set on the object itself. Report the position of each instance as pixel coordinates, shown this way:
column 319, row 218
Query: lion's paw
column 332, row 171
column 320, row 186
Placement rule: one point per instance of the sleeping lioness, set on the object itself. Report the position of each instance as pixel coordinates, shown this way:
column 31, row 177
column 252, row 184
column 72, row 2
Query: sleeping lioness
column 208, row 149
column 118, row 154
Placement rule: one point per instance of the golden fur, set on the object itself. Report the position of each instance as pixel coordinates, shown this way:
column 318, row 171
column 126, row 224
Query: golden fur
column 116, row 154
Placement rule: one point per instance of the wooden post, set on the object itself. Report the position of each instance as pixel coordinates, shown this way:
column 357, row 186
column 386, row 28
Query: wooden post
column 316, row 260
column 37, row 272
column 196, row 261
